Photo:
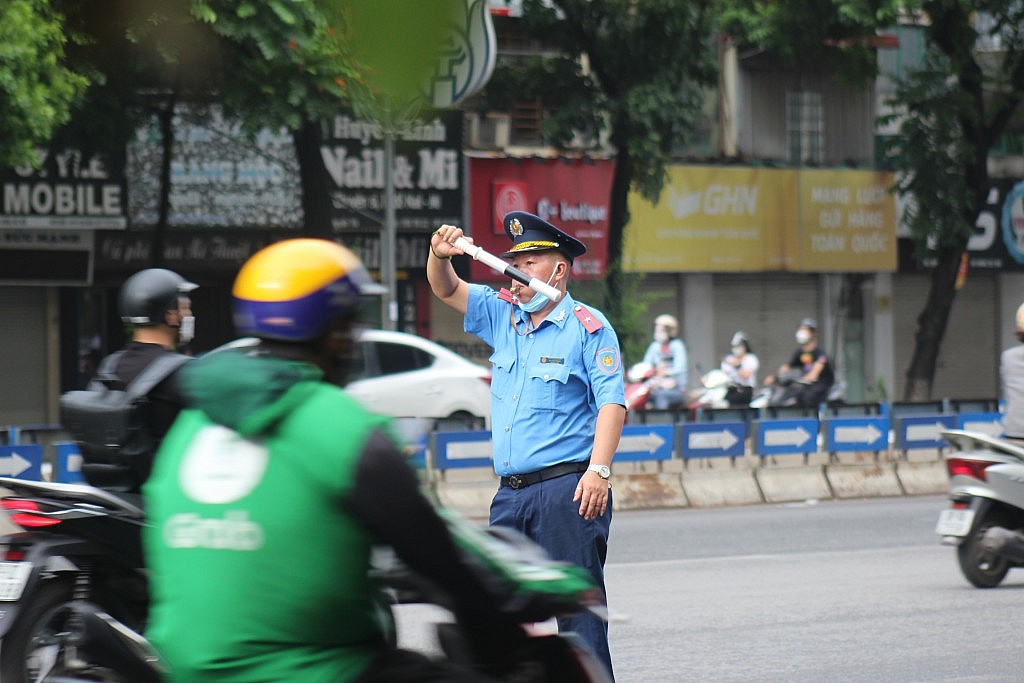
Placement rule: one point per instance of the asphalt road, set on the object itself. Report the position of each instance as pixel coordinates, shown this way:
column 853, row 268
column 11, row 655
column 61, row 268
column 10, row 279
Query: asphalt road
column 818, row 591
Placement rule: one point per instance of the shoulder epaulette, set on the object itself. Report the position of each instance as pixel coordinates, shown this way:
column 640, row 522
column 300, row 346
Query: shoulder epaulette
column 505, row 295
column 590, row 323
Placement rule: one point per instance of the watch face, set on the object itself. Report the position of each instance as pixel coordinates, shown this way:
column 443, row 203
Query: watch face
column 602, row 470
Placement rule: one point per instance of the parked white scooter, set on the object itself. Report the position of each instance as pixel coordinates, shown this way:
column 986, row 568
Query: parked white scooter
column 985, row 520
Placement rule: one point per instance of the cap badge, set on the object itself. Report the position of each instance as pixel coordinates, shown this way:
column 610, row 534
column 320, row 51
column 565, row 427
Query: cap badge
column 515, row 227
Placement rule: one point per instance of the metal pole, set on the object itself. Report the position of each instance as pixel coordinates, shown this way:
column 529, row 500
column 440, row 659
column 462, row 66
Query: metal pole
column 389, row 303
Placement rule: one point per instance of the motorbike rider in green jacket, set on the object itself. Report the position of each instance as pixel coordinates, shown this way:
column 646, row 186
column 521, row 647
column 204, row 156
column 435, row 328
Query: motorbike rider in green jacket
column 270, row 490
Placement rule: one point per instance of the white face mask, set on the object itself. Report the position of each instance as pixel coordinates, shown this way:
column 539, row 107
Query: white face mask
column 661, row 335
column 187, row 329
column 802, row 337
column 539, row 300
column 737, row 350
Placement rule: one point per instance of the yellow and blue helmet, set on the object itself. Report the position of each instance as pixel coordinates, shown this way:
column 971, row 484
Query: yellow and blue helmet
column 291, row 290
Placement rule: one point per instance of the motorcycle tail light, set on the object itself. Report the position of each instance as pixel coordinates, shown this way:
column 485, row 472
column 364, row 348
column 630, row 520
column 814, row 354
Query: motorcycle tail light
column 20, row 512
column 967, row 468
column 13, row 555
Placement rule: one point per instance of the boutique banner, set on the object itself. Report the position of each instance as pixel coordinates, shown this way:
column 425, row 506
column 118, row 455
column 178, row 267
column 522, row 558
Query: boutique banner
column 570, row 193
column 741, row 219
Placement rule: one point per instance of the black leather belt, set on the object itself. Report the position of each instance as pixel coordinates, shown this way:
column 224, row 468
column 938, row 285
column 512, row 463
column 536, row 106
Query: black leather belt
column 520, row 481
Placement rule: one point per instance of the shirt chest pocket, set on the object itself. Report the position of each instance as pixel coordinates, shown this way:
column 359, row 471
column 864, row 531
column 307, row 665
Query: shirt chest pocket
column 502, row 370
column 548, row 386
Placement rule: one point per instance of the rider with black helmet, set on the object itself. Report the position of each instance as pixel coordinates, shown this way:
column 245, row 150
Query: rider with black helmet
column 155, row 303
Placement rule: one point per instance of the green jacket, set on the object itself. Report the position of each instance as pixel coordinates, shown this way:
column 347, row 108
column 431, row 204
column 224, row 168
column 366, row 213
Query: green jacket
column 258, row 573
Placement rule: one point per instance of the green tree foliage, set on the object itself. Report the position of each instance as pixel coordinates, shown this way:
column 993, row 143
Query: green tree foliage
column 637, row 68
column 950, row 112
column 37, row 88
column 953, row 111
column 266, row 63
column 813, row 31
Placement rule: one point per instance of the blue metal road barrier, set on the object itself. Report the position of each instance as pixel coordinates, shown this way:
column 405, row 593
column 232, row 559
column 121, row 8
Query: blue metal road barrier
column 787, row 436
column 867, row 433
column 24, row 461
column 922, row 431
column 69, row 464
column 463, row 449
column 645, row 442
column 713, row 439
column 26, row 434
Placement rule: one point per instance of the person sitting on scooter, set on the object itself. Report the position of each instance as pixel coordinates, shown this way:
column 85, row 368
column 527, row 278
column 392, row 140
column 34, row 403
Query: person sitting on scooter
column 816, row 377
column 667, row 354
column 270, row 491
column 741, row 365
column 1011, row 376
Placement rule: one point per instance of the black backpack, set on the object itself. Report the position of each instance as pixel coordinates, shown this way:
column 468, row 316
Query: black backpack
column 109, row 424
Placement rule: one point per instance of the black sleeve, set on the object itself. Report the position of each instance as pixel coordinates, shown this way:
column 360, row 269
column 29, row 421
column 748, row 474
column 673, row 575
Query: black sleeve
column 387, row 499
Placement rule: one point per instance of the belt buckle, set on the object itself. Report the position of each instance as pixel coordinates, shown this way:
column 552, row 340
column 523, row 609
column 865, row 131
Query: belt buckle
column 515, row 481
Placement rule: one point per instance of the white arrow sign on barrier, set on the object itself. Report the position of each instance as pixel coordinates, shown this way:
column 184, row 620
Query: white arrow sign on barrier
column 649, row 442
column 464, row 450
column 991, row 428
column 864, row 434
column 722, row 440
column 925, row 432
column 13, row 465
column 786, row 437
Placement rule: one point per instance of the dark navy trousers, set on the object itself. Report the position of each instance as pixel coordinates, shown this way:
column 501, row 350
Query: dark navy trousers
column 545, row 513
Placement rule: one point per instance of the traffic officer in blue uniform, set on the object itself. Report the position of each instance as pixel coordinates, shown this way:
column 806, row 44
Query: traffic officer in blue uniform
column 557, row 399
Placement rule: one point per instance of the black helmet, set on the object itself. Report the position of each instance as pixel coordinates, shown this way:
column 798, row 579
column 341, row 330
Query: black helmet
column 150, row 293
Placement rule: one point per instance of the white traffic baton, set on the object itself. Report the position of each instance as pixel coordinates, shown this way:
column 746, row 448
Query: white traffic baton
column 501, row 266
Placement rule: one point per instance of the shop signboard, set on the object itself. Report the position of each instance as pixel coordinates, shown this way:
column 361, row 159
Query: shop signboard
column 571, row 193
column 427, row 172
column 745, row 219
column 69, row 191
column 997, row 242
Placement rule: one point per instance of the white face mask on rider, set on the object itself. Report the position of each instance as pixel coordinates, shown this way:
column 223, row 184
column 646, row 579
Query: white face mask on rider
column 187, row 329
column 660, row 335
column 802, row 337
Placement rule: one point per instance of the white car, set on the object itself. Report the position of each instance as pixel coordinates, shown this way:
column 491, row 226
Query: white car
column 404, row 375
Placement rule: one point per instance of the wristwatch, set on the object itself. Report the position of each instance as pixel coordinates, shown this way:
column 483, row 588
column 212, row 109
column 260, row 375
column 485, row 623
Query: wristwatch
column 603, row 471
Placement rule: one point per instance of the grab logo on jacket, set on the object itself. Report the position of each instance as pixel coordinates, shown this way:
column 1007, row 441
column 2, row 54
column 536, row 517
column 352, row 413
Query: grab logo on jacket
column 220, row 466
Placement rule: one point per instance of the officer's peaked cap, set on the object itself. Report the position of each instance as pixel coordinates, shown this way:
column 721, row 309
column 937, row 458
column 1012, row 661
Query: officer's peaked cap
column 532, row 233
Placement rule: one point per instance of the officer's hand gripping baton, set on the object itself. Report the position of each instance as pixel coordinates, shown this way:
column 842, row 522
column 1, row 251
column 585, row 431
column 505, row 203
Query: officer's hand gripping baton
column 501, row 266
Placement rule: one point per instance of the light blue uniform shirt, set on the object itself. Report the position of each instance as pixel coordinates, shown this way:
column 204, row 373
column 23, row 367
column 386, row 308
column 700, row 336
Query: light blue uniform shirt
column 547, row 385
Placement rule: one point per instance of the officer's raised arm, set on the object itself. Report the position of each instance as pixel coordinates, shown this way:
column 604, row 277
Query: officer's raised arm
column 444, row 282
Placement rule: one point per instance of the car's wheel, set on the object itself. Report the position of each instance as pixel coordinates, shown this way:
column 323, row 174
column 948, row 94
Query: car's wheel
column 463, row 419
column 982, row 568
column 32, row 649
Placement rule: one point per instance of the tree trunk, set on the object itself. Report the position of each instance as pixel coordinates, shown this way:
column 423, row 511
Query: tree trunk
column 316, row 189
column 165, row 117
column 618, row 216
column 931, row 324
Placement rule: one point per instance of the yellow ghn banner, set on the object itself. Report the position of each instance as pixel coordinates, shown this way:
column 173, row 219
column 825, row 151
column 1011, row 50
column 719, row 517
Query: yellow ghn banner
column 721, row 219
column 847, row 221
